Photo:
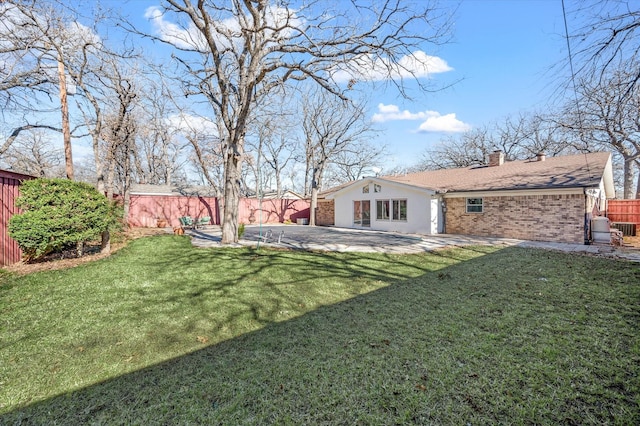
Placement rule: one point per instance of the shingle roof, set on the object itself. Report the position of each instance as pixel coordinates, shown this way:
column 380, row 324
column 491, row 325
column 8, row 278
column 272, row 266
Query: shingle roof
column 570, row 171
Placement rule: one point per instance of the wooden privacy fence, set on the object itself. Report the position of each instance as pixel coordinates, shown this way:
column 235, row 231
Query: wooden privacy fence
column 251, row 210
column 152, row 211
column 166, row 210
column 625, row 212
column 9, row 191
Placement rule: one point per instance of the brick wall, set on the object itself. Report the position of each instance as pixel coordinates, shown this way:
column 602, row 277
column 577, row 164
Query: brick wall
column 325, row 213
column 558, row 218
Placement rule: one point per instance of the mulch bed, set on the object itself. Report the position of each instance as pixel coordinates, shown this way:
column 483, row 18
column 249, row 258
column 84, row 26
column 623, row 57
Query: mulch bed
column 69, row 258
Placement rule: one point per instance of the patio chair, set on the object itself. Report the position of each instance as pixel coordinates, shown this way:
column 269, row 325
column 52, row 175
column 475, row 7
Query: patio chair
column 202, row 221
column 266, row 236
column 186, row 222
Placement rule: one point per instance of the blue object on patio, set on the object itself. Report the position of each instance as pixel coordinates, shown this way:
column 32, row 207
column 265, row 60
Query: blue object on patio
column 202, row 221
column 186, row 222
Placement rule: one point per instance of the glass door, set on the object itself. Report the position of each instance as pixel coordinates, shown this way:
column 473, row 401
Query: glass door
column 362, row 213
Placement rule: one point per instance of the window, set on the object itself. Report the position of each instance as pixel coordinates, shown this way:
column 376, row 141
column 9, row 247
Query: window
column 474, row 205
column 376, row 187
column 382, row 209
column 399, row 210
column 365, row 189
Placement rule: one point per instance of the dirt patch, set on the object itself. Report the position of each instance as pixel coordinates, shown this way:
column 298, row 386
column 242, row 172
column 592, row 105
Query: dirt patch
column 69, row 258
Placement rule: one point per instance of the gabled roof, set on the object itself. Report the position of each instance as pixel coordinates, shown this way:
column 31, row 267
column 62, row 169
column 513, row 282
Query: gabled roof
column 564, row 172
column 382, row 181
column 569, row 171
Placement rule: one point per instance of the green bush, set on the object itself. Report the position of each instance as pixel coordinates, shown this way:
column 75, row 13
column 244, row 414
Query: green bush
column 240, row 230
column 59, row 213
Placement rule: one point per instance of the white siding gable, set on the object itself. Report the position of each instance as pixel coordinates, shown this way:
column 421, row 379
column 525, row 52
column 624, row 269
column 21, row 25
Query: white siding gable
column 421, row 218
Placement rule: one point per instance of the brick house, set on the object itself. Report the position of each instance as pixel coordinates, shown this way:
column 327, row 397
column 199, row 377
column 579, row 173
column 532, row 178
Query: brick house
column 542, row 199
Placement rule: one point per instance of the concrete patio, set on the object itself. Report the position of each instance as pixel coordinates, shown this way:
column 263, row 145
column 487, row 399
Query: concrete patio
column 353, row 240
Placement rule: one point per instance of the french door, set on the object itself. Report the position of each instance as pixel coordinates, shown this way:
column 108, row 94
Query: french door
column 362, row 213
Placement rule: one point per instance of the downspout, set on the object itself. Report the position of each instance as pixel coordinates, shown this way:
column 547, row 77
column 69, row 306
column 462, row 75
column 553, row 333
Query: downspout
column 443, row 209
column 587, row 218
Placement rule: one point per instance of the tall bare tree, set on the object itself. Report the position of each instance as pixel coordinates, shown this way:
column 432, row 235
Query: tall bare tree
column 248, row 48
column 518, row 137
column 607, row 115
column 356, row 161
column 34, row 153
column 606, row 36
column 330, row 126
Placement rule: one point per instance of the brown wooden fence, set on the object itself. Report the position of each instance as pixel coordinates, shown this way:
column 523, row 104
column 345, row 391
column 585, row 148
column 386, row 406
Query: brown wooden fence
column 624, row 212
column 9, row 191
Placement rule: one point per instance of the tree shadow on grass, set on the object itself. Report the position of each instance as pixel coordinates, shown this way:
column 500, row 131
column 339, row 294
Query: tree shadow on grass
column 472, row 342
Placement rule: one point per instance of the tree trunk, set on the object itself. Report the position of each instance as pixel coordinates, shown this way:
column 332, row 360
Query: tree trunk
column 66, row 133
column 628, row 178
column 232, row 184
column 105, row 244
column 638, row 182
column 313, row 206
column 315, row 188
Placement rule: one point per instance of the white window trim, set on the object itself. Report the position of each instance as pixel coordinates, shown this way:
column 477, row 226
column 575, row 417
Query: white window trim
column 390, row 211
column 467, row 205
column 388, row 218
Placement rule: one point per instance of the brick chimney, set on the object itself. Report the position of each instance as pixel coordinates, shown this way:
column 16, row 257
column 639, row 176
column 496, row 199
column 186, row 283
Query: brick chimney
column 540, row 156
column 496, row 158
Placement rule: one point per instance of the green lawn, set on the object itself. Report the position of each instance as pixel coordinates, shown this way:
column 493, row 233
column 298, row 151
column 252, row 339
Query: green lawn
column 164, row 333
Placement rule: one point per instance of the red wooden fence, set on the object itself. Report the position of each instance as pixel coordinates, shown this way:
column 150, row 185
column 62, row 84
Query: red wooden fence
column 9, row 191
column 625, row 211
column 252, row 211
column 147, row 210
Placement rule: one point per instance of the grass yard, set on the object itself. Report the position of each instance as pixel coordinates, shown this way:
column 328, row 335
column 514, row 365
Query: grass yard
column 164, row 333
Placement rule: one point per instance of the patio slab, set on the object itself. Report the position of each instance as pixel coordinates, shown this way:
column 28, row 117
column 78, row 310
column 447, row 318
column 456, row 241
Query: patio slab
column 354, row 240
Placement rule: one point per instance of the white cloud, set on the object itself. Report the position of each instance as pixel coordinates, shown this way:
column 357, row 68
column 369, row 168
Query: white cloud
column 393, row 113
column 187, row 123
column 418, row 64
column 443, row 123
column 188, row 38
column 433, row 121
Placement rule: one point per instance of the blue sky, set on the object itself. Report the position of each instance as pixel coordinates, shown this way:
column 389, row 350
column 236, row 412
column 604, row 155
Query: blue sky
column 501, row 56
column 502, row 53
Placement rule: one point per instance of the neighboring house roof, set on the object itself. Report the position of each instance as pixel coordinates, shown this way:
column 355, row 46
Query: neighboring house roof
column 286, row 195
column 186, row 190
column 569, row 171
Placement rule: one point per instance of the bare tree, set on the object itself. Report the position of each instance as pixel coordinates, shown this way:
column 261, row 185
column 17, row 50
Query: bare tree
column 330, row 126
column 41, row 32
column 607, row 38
column 34, row 153
column 355, row 162
column 273, row 142
column 158, row 155
column 519, row 138
column 469, row 149
column 249, row 48
column 51, row 54
column 607, row 116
